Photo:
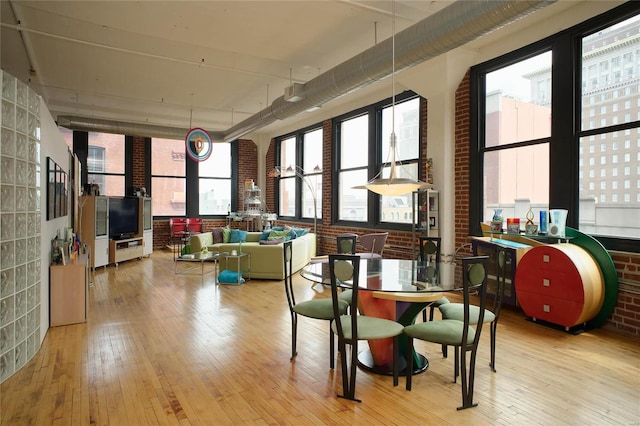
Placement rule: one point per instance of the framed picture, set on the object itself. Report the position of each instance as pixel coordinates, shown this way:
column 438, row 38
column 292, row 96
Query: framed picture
column 51, row 188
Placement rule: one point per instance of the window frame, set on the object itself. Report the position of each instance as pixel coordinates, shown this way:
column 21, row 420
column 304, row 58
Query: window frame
column 376, row 159
column 565, row 121
column 300, row 186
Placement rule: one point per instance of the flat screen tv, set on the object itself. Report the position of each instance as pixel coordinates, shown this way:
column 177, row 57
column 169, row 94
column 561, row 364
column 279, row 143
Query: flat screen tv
column 123, row 217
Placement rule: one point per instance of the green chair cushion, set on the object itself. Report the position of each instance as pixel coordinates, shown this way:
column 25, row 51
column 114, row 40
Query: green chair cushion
column 319, row 308
column 445, row 332
column 440, row 302
column 369, row 328
column 455, row 311
column 346, row 295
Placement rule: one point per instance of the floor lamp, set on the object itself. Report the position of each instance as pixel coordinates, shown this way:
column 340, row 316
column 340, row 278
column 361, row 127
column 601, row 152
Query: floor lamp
column 299, row 172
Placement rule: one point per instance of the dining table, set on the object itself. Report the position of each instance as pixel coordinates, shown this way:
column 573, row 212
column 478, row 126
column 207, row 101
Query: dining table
column 395, row 289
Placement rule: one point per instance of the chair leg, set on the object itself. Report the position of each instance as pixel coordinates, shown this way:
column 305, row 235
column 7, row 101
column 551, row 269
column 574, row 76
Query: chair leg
column 431, row 309
column 409, row 367
column 467, row 380
column 424, row 315
column 294, row 333
column 494, row 329
column 456, row 364
column 332, row 348
column 445, row 351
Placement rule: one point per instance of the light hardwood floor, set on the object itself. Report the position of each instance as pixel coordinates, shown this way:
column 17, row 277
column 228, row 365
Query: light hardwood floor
column 161, row 348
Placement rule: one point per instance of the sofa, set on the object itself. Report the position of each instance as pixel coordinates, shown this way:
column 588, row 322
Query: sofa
column 267, row 258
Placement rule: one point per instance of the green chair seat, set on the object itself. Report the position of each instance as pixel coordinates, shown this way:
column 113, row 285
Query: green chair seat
column 369, row 328
column 319, row 308
column 455, row 311
column 446, row 332
column 346, row 295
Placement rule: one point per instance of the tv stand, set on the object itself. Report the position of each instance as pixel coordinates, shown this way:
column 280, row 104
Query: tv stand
column 121, row 250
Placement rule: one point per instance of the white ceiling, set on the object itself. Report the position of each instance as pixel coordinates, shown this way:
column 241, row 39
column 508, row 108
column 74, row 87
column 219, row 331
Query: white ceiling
column 208, row 64
column 213, row 63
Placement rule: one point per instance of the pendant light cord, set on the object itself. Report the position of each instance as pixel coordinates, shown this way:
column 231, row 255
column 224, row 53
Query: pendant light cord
column 392, row 139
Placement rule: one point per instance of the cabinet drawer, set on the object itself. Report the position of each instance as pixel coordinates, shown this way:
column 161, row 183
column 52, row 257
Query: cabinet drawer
column 557, row 311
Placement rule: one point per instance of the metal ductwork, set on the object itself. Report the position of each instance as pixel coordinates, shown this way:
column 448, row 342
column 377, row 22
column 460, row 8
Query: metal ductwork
column 453, row 26
column 88, row 124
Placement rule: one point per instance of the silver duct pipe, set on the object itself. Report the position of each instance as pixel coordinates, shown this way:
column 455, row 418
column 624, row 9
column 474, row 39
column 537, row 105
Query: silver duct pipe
column 453, row 26
column 88, row 124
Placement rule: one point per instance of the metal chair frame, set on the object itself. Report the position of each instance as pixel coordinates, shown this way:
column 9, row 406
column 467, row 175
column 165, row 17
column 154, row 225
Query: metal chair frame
column 430, row 251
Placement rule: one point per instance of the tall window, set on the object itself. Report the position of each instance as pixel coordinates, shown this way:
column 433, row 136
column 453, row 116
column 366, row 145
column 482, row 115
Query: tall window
column 517, row 127
column 168, row 177
column 613, row 216
column 105, row 163
column 541, row 153
column 363, row 140
column 214, row 184
column 301, row 175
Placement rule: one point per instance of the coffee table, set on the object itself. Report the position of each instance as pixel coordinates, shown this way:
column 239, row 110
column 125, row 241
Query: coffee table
column 193, row 260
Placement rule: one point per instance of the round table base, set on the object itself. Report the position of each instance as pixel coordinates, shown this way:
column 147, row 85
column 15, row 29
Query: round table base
column 365, row 361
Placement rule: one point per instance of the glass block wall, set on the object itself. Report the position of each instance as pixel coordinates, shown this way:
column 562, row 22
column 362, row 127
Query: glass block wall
column 20, row 222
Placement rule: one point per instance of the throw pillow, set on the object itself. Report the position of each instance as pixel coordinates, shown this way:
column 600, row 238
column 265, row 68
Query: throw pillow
column 274, row 234
column 299, row 232
column 217, row 235
column 226, row 235
column 238, row 236
column 265, row 235
column 270, row 242
column 229, row 277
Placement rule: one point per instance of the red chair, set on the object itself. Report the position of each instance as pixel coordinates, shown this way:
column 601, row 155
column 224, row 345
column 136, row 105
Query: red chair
column 194, row 225
column 177, row 228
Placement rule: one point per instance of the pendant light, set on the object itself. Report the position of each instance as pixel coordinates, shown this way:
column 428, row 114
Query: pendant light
column 393, row 185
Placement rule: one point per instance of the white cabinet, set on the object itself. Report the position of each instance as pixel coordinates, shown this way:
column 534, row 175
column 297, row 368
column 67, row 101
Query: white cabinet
column 94, row 228
column 147, row 226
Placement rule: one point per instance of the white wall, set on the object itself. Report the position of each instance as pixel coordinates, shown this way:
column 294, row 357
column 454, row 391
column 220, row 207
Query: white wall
column 54, row 146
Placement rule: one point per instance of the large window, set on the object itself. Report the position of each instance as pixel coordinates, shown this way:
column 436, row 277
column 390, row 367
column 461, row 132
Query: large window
column 105, row 163
column 214, row 184
column 300, row 180
column 556, row 125
column 363, row 140
column 168, row 177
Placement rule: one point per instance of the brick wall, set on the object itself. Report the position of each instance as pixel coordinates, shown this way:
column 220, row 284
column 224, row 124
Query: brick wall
column 626, row 316
column 138, row 162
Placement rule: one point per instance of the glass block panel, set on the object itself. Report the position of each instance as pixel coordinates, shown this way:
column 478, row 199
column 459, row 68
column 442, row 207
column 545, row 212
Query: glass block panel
column 7, row 254
column 31, row 298
column 21, row 199
column 7, row 170
column 8, row 142
column 21, row 173
column 7, row 226
column 21, row 277
column 7, row 365
column 7, row 193
column 8, row 87
column 31, row 175
column 22, row 146
column 21, row 225
column 31, row 273
column 22, row 94
column 21, row 251
column 8, row 114
column 7, row 282
column 21, row 354
column 34, row 126
column 6, row 337
column 6, row 310
column 21, row 120
column 20, row 312
column 34, row 103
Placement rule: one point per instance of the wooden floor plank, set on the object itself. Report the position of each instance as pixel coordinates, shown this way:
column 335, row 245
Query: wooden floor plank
column 161, row 349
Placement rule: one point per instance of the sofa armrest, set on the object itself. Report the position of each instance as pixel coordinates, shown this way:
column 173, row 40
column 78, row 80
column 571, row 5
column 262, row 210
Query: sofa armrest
column 199, row 241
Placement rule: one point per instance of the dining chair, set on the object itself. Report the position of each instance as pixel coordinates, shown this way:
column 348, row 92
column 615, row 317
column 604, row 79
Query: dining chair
column 194, row 225
column 317, row 308
column 503, row 259
column 345, row 268
column 373, row 244
column 458, row 333
column 346, row 243
column 430, row 252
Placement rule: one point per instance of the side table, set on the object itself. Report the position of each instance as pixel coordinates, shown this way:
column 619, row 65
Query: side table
column 238, row 257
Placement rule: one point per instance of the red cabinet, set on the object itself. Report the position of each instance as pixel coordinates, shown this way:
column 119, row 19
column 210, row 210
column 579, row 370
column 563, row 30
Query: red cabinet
column 559, row 283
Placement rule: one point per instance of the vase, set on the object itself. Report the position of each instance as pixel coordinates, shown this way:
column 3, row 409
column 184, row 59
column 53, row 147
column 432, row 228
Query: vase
column 558, row 222
column 496, row 221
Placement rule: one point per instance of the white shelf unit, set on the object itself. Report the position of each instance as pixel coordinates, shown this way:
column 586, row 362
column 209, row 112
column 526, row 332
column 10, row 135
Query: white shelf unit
column 147, row 225
column 94, row 228
column 426, row 216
